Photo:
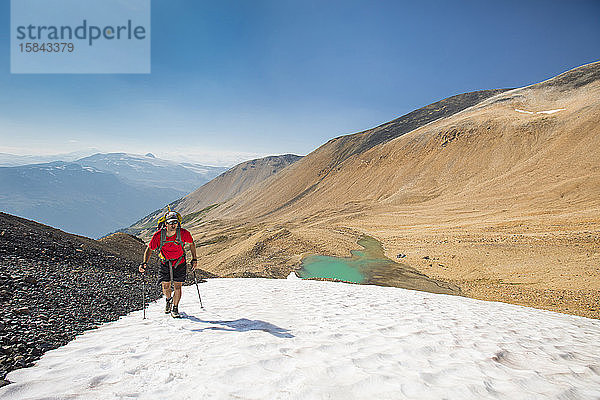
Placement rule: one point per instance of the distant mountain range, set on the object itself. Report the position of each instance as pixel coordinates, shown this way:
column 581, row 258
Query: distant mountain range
column 98, row 194
column 14, row 160
column 150, row 171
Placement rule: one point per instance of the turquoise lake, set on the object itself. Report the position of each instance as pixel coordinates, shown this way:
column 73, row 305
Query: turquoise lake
column 371, row 266
column 350, row 269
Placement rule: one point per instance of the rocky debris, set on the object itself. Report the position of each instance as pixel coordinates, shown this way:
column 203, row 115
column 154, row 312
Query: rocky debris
column 201, row 276
column 125, row 244
column 54, row 286
column 582, row 302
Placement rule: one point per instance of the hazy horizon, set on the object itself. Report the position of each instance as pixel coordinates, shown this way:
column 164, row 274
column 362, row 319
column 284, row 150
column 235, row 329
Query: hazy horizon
column 232, row 81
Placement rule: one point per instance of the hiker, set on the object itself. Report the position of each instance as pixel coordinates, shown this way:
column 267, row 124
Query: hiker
column 170, row 240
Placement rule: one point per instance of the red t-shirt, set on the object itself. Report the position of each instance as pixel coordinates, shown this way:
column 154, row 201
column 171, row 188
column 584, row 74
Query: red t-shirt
column 171, row 250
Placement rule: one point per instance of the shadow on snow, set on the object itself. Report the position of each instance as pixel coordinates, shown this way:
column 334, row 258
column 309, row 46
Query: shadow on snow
column 241, row 325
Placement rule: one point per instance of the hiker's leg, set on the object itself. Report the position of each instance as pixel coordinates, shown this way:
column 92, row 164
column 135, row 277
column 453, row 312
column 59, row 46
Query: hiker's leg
column 177, row 295
column 166, row 287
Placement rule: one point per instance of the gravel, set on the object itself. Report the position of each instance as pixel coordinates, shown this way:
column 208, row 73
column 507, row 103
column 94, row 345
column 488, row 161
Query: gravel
column 54, row 286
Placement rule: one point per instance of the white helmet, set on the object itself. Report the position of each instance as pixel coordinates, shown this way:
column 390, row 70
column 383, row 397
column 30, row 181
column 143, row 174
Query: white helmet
column 171, row 217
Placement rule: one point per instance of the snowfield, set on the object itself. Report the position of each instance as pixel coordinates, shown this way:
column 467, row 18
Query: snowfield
column 295, row 339
column 539, row 112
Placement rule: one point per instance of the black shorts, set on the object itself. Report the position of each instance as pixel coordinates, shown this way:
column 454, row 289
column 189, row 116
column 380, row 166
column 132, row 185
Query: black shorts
column 179, row 272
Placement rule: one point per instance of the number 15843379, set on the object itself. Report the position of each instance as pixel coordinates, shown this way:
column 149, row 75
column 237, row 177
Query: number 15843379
column 46, row 47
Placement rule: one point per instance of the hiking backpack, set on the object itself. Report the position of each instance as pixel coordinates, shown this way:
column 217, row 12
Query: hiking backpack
column 162, row 227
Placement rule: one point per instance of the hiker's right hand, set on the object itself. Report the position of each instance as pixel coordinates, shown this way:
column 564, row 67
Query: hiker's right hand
column 142, row 267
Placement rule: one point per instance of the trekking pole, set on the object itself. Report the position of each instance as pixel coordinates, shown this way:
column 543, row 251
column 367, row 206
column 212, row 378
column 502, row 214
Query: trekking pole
column 196, row 280
column 144, row 294
column 172, row 287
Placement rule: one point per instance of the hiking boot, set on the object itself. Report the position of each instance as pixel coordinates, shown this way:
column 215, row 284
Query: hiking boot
column 168, row 305
column 175, row 312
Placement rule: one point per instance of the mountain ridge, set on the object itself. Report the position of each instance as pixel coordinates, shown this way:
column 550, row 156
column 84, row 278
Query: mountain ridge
column 151, row 171
column 97, row 194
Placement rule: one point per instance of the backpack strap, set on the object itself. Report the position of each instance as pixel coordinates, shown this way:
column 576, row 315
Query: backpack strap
column 163, row 239
column 179, row 241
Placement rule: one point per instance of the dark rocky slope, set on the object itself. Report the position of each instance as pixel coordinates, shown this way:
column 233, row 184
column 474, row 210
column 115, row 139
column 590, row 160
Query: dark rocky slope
column 54, row 286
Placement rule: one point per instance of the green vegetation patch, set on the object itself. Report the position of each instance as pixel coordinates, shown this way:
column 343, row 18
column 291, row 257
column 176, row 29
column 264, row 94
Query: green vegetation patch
column 192, row 216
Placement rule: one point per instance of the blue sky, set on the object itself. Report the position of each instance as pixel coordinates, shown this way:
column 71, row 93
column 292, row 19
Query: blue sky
column 232, row 80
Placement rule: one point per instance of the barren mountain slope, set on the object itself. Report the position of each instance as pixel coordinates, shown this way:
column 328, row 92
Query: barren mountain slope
column 502, row 199
column 234, row 181
column 301, row 179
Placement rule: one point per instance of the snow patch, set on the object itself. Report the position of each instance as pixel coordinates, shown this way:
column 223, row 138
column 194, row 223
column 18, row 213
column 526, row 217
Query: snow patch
column 523, row 111
column 551, row 111
column 292, row 276
column 539, row 112
column 300, row 339
column 199, row 169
